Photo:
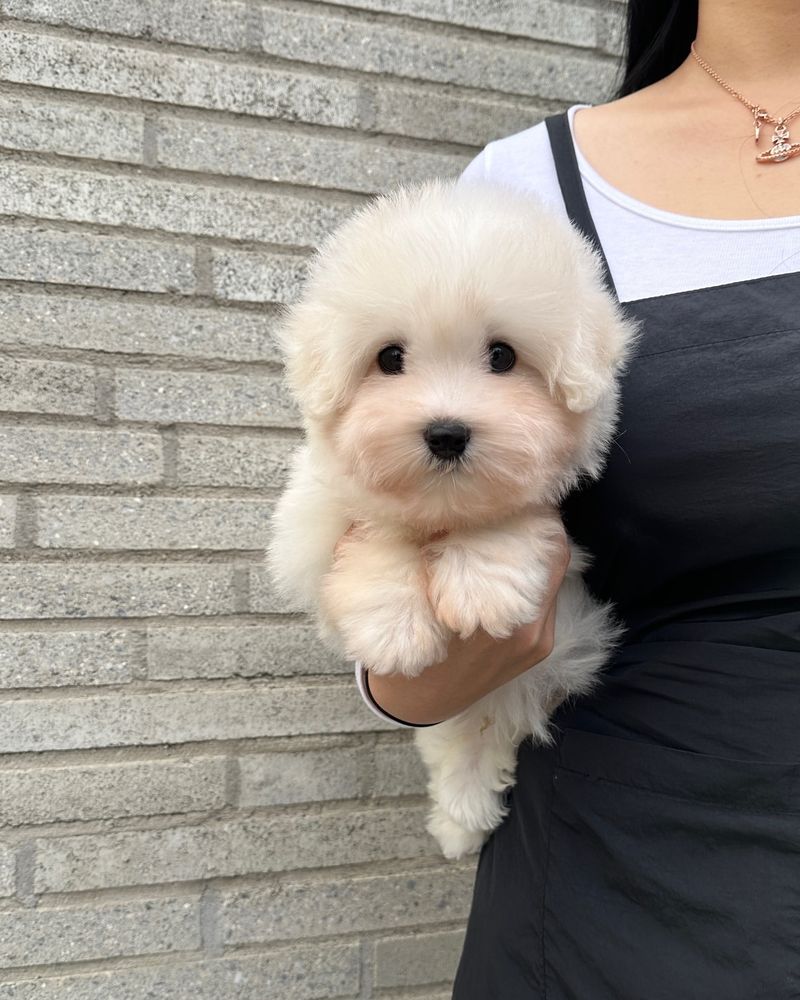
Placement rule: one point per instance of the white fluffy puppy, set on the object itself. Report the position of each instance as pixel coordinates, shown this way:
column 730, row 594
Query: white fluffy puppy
column 455, row 357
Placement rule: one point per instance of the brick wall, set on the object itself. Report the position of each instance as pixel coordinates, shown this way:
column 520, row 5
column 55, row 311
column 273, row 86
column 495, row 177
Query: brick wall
column 193, row 800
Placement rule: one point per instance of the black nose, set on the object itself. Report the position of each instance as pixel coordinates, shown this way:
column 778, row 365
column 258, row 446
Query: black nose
column 447, row 438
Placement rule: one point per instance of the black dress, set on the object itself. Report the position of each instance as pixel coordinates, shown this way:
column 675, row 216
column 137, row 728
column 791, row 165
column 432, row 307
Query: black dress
column 653, row 853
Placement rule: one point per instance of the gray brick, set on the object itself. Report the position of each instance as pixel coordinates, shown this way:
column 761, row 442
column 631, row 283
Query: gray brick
column 61, row 455
column 611, row 29
column 135, row 327
column 279, row 649
column 105, row 261
column 71, row 129
column 212, row 713
column 247, row 276
column 193, row 81
column 73, row 934
column 204, row 398
column 102, row 791
column 378, row 47
column 426, row 113
column 293, row 909
column 8, row 515
column 46, row 387
column 139, row 523
column 121, row 590
column 35, row 659
column 398, row 770
column 415, row 960
column 7, row 868
column 177, row 207
column 280, row 778
column 296, row 158
column 302, row 972
column 207, row 23
column 543, row 20
column 259, row 844
column 263, row 598
column 244, row 460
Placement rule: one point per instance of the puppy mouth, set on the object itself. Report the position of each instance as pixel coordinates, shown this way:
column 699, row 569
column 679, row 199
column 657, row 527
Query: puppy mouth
column 452, row 464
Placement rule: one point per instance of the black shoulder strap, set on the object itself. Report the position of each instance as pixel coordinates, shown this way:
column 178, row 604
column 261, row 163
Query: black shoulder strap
column 569, row 180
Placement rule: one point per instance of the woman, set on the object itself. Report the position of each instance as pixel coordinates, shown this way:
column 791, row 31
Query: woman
column 654, row 850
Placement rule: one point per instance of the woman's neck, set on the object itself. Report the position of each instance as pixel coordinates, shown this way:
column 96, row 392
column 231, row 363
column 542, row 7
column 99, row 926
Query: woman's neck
column 754, row 46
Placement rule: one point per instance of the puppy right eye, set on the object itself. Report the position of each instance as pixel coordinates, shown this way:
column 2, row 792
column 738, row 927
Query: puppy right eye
column 390, row 359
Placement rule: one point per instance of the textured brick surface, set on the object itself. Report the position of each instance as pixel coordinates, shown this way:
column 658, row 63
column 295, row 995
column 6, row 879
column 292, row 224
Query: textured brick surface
column 425, row 113
column 121, row 590
column 245, row 460
column 279, row 649
column 175, row 207
column 194, row 801
column 72, row 934
column 544, row 20
column 209, row 23
column 8, row 512
column 127, row 326
column 194, row 81
column 271, row 779
column 302, row 972
column 71, row 129
column 282, row 155
column 7, row 866
column 46, row 387
column 99, row 791
column 89, row 259
column 398, row 770
column 204, row 398
column 355, row 43
column 289, row 910
column 61, row 455
column 212, row 713
column 415, row 960
column 80, row 522
column 256, row 277
column 261, row 844
column 33, row 659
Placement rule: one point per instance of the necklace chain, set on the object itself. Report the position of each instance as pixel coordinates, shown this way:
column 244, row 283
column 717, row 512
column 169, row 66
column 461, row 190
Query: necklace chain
column 782, row 149
column 755, row 108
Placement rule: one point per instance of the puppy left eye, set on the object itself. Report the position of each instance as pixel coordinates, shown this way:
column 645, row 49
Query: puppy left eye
column 501, row 357
column 390, row 359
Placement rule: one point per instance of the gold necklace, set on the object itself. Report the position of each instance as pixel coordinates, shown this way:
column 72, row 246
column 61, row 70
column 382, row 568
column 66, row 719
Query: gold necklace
column 781, row 149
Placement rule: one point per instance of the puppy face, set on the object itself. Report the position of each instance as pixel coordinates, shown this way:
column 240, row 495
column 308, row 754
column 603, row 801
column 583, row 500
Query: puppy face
column 454, row 429
column 454, row 347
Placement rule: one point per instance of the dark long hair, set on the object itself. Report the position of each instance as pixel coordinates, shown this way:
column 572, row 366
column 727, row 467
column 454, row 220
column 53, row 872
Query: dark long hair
column 657, row 39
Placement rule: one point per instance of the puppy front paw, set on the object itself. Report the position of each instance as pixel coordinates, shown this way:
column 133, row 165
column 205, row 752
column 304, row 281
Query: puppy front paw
column 468, row 591
column 394, row 639
column 375, row 599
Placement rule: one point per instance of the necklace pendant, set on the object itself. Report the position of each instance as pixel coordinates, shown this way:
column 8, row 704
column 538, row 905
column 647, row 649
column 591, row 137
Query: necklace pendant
column 781, row 149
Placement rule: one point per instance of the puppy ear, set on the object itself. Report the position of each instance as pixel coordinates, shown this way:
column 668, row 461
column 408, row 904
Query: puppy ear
column 318, row 378
column 596, row 353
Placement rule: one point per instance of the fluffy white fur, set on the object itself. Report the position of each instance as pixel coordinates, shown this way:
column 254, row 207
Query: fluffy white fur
column 440, row 548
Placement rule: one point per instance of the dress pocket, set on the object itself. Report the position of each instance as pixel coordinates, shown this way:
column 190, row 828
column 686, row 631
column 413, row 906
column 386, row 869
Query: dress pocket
column 670, row 875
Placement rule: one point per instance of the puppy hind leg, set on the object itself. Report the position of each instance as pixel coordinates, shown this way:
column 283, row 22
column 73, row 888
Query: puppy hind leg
column 471, row 761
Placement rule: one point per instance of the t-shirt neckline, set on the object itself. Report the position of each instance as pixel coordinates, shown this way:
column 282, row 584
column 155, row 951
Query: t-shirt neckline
column 601, row 185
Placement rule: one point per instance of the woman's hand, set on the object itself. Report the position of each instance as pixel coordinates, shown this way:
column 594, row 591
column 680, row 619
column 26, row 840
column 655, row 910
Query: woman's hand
column 473, row 667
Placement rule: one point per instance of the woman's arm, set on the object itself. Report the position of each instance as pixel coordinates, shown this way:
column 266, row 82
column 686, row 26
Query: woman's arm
column 473, row 667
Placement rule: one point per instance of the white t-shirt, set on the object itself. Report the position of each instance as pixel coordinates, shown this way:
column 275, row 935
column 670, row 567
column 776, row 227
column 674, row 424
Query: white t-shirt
column 649, row 251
